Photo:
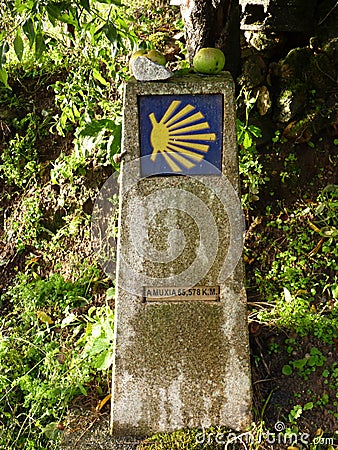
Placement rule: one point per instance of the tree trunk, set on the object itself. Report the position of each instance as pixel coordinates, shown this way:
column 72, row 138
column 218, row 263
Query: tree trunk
column 213, row 23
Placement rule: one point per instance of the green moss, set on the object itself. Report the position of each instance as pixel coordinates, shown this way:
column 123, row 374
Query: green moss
column 212, row 438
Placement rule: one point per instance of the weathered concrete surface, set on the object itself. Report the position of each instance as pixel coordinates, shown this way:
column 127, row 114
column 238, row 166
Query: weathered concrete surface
column 179, row 364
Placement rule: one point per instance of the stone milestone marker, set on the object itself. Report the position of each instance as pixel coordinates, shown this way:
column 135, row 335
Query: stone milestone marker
column 181, row 338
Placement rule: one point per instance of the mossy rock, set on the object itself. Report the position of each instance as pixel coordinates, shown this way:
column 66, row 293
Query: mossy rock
column 291, row 101
column 316, row 70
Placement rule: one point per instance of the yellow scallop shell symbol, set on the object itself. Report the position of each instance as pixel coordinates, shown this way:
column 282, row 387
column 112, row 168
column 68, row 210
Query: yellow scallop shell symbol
column 175, row 136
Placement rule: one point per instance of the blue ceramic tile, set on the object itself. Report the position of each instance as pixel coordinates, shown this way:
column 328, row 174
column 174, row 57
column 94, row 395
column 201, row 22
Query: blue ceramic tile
column 179, row 132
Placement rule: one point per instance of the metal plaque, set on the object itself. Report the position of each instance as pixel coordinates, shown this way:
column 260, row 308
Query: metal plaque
column 205, row 293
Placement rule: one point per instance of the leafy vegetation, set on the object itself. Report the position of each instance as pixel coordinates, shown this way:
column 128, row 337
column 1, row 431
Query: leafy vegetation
column 50, row 350
column 62, row 68
column 250, row 167
column 60, row 116
column 301, row 281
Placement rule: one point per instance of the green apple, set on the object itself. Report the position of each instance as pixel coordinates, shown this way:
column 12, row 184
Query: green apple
column 138, row 53
column 135, row 55
column 153, row 55
column 209, row 60
column 156, row 57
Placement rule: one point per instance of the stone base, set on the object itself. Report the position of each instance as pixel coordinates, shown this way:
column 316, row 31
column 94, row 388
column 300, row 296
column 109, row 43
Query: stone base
column 182, row 365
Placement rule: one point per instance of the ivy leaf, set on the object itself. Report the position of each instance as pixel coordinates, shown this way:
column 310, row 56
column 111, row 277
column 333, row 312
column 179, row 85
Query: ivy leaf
column 18, row 46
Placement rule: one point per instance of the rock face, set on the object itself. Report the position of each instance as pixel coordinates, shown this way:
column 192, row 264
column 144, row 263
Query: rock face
column 290, row 102
column 253, row 71
column 146, row 70
column 263, row 100
column 302, row 70
column 277, row 15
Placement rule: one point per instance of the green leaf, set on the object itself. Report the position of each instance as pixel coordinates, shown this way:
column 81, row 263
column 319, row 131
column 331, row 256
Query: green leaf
column 114, row 141
column 255, row 131
column 308, row 406
column 82, row 389
column 45, row 318
column 334, row 290
column 99, row 77
column 295, row 413
column 109, row 332
column 96, row 330
column 329, row 232
column 287, row 370
column 4, row 47
column 300, row 363
column 18, row 46
column 4, row 78
column 85, row 4
column 99, row 346
column 110, row 293
column 29, row 30
column 51, row 430
column 110, row 31
column 56, row 12
column 111, row 2
column 94, row 127
column 247, row 142
column 104, row 360
column 53, row 13
column 40, row 45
